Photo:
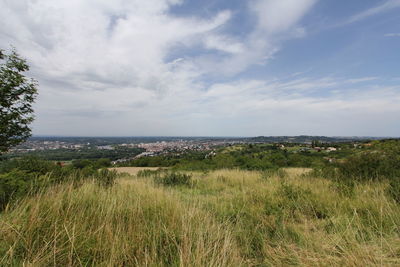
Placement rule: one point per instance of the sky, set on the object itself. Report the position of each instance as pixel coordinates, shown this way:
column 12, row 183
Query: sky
column 210, row 67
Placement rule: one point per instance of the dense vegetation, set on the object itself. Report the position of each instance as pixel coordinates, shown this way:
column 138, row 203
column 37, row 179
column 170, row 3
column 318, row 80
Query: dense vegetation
column 21, row 177
column 63, row 154
column 248, row 157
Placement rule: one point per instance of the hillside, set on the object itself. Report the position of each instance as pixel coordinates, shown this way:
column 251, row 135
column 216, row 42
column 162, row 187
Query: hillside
column 218, row 218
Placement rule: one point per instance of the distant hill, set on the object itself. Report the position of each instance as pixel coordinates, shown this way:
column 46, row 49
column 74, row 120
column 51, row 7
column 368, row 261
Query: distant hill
column 308, row 139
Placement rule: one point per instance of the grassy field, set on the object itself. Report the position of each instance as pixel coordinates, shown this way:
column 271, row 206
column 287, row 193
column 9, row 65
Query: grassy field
column 219, row 218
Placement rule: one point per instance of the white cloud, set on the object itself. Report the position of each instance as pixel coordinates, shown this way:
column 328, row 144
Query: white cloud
column 279, row 16
column 325, row 106
column 261, row 43
column 106, row 68
column 275, row 107
column 97, row 56
column 99, row 44
column 122, row 42
column 384, row 7
column 223, row 43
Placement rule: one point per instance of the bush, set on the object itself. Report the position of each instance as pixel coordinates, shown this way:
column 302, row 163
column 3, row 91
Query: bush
column 370, row 166
column 28, row 164
column 148, row 173
column 18, row 177
column 96, row 164
column 174, row 179
column 13, row 185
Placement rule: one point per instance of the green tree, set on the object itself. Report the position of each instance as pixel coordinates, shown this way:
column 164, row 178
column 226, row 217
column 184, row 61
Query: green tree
column 17, row 94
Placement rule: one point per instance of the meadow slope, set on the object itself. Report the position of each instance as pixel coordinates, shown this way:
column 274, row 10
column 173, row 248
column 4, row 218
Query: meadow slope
column 218, row 218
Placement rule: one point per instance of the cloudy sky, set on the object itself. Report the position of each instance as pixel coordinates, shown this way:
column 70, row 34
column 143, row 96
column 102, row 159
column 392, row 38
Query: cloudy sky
column 210, row 67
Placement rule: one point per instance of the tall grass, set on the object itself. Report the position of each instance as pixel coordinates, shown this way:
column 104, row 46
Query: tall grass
column 27, row 176
column 225, row 218
column 298, row 219
column 127, row 225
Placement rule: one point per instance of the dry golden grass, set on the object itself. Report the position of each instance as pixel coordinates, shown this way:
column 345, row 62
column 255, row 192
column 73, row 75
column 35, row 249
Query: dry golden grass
column 295, row 219
column 225, row 218
column 297, row 171
column 129, row 225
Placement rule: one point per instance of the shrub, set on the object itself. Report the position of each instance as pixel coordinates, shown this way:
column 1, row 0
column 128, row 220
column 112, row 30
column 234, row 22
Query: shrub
column 14, row 184
column 148, row 173
column 19, row 177
column 28, row 164
column 174, row 179
column 370, row 166
column 363, row 167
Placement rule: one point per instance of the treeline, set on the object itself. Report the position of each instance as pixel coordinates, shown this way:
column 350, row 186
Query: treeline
column 20, row 177
column 248, row 157
column 85, row 153
column 267, row 156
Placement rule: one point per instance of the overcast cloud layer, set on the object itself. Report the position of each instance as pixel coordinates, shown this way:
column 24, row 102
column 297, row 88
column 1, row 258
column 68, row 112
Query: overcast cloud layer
column 165, row 67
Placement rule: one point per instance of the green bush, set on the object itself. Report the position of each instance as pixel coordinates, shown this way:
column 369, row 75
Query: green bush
column 13, row 185
column 174, row 179
column 366, row 166
column 96, row 164
column 19, row 177
column 370, row 166
column 28, row 164
column 148, row 173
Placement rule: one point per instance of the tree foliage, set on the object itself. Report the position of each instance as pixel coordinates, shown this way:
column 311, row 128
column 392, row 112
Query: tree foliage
column 17, row 94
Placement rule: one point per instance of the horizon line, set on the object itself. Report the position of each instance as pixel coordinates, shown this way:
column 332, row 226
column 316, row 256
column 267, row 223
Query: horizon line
column 208, row 136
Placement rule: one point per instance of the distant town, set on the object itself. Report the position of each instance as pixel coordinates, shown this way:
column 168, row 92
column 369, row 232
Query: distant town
column 159, row 146
column 118, row 149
